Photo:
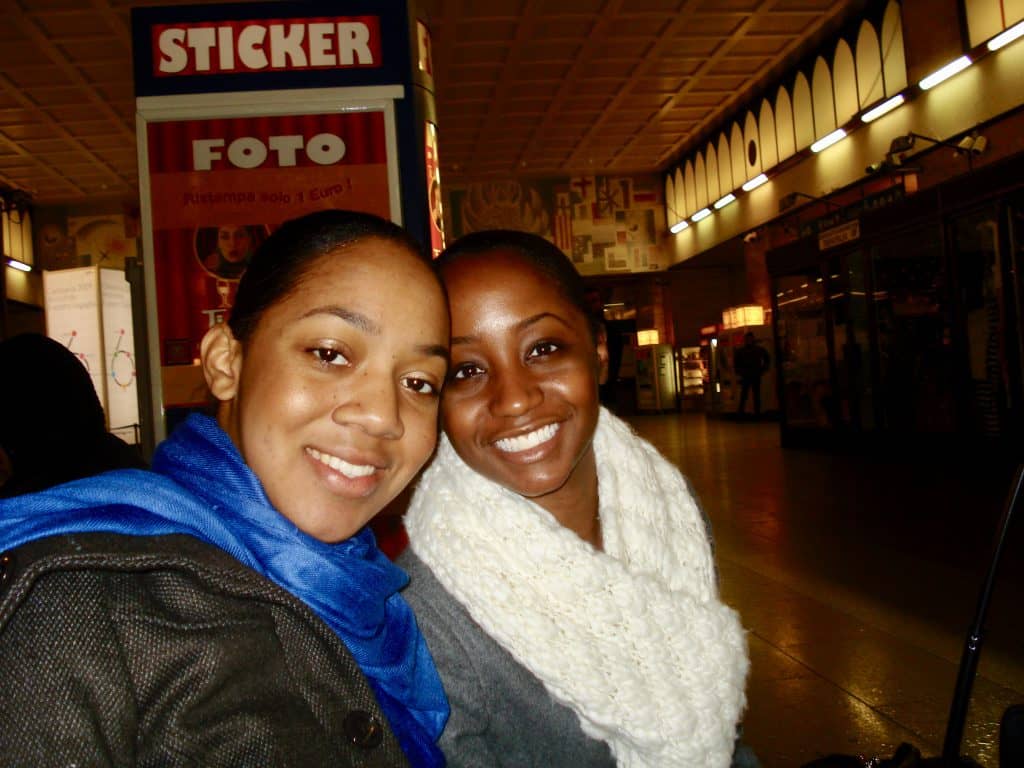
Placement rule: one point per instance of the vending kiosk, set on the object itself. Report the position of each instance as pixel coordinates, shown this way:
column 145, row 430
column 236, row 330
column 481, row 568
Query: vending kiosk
column 250, row 114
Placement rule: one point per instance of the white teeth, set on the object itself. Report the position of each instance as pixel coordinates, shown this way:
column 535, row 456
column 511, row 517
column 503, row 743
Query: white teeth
column 525, row 442
column 340, row 465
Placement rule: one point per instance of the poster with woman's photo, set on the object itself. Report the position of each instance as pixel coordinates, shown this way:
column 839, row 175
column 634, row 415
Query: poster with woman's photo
column 219, row 187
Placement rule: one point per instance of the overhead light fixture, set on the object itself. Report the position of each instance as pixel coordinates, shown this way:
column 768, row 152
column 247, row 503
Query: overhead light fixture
column 1006, row 36
column 21, row 266
column 703, row 213
column 882, row 109
column 724, row 201
column 678, row 227
column 827, row 141
column 755, row 182
column 946, row 72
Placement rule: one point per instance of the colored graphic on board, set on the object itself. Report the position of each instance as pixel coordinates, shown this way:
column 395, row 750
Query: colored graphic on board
column 82, row 357
column 219, row 187
column 603, row 223
column 122, row 363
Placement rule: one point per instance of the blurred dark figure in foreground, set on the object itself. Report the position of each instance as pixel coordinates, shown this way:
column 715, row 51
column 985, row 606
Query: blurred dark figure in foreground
column 52, row 428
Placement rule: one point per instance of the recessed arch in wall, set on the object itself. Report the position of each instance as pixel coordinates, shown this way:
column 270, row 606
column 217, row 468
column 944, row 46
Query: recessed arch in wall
column 751, row 145
column 691, row 189
column 823, row 98
column 700, row 177
column 711, row 166
column 769, row 145
column 738, row 154
column 894, row 63
column 844, row 83
column 784, row 135
column 803, row 113
column 726, row 181
column 870, row 88
column 682, row 206
column 672, row 213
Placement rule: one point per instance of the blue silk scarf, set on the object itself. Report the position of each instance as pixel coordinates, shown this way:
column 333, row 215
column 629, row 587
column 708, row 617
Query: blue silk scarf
column 200, row 486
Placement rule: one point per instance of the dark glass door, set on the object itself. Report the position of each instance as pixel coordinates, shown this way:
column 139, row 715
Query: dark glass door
column 806, row 397
column 913, row 318
column 848, row 292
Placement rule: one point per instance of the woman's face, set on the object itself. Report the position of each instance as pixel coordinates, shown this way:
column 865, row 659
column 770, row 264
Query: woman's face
column 234, row 243
column 336, row 405
column 521, row 403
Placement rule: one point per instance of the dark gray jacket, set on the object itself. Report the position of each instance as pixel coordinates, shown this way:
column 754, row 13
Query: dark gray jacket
column 165, row 651
column 501, row 713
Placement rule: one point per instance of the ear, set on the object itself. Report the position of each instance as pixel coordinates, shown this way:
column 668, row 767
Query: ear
column 221, row 355
column 602, row 355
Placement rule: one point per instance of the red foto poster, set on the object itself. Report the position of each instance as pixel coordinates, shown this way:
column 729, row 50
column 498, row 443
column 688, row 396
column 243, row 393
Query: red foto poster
column 219, row 187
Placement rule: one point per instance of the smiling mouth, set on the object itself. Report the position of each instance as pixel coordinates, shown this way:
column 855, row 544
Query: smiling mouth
column 340, row 465
column 527, row 441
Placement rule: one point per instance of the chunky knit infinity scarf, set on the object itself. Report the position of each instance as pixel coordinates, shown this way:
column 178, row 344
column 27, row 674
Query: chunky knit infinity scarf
column 200, row 486
column 634, row 639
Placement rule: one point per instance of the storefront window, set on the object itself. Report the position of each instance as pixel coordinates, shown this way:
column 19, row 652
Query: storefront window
column 848, row 304
column 990, row 285
column 806, row 398
column 913, row 318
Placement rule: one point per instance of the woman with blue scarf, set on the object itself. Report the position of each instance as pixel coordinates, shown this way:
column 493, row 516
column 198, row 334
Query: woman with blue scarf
column 231, row 608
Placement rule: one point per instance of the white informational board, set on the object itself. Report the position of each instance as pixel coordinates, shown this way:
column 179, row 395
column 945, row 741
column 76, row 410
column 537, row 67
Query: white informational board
column 122, row 403
column 88, row 310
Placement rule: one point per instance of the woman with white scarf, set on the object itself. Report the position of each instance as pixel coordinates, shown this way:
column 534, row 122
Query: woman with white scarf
column 561, row 569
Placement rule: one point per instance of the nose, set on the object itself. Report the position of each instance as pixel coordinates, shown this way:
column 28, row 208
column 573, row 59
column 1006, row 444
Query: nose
column 515, row 391
column 371, row 402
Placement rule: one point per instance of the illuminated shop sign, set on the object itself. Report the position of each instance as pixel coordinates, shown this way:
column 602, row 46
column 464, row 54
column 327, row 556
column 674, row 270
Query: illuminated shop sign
column 268, row 44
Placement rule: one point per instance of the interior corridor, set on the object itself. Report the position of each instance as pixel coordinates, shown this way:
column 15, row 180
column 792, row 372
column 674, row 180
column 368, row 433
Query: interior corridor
column 856, row 578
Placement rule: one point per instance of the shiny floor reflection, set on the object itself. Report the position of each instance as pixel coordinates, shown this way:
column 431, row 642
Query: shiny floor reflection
column 856, row 578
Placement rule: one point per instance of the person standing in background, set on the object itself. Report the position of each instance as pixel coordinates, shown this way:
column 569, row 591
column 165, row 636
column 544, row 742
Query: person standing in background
column 750, row 363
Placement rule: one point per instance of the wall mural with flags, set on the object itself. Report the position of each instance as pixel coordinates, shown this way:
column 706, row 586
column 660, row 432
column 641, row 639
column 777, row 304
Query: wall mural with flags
column 606, row 224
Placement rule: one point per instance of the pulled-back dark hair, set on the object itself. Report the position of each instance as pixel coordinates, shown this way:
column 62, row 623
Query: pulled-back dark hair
column 541, row 254
column 293, row 249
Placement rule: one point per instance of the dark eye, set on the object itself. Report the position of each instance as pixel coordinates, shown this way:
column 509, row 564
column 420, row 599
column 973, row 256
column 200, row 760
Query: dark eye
column 328, row 356
column 542, row 349
column 466, row 371
column 419, row 386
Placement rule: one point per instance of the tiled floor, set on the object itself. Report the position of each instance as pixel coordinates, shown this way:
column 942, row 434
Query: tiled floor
column 857, row 579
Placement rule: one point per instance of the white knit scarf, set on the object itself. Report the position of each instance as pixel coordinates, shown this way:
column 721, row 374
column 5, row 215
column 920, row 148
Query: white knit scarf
column 633, row 639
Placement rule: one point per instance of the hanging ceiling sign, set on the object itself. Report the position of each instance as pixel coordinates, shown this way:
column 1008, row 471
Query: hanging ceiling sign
column 275, row 44
column 269, row 46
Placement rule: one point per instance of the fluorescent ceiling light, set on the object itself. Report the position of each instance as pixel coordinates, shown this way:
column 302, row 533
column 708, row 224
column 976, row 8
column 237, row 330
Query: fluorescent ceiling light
column 724, row 201
column 827, row 141
column 945, row 73
column 1006, row 36
column 884, row 108
column 703, row 213
column 755, row 182
column 19, row 265
column 678, row 227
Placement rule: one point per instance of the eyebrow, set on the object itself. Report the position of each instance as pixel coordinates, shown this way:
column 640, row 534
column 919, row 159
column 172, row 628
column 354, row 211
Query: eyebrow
column 365, row 324
column 520, row 326
column 357, row 319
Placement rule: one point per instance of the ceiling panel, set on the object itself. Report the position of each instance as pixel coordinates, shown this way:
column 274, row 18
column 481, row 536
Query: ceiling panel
column 524, row 87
